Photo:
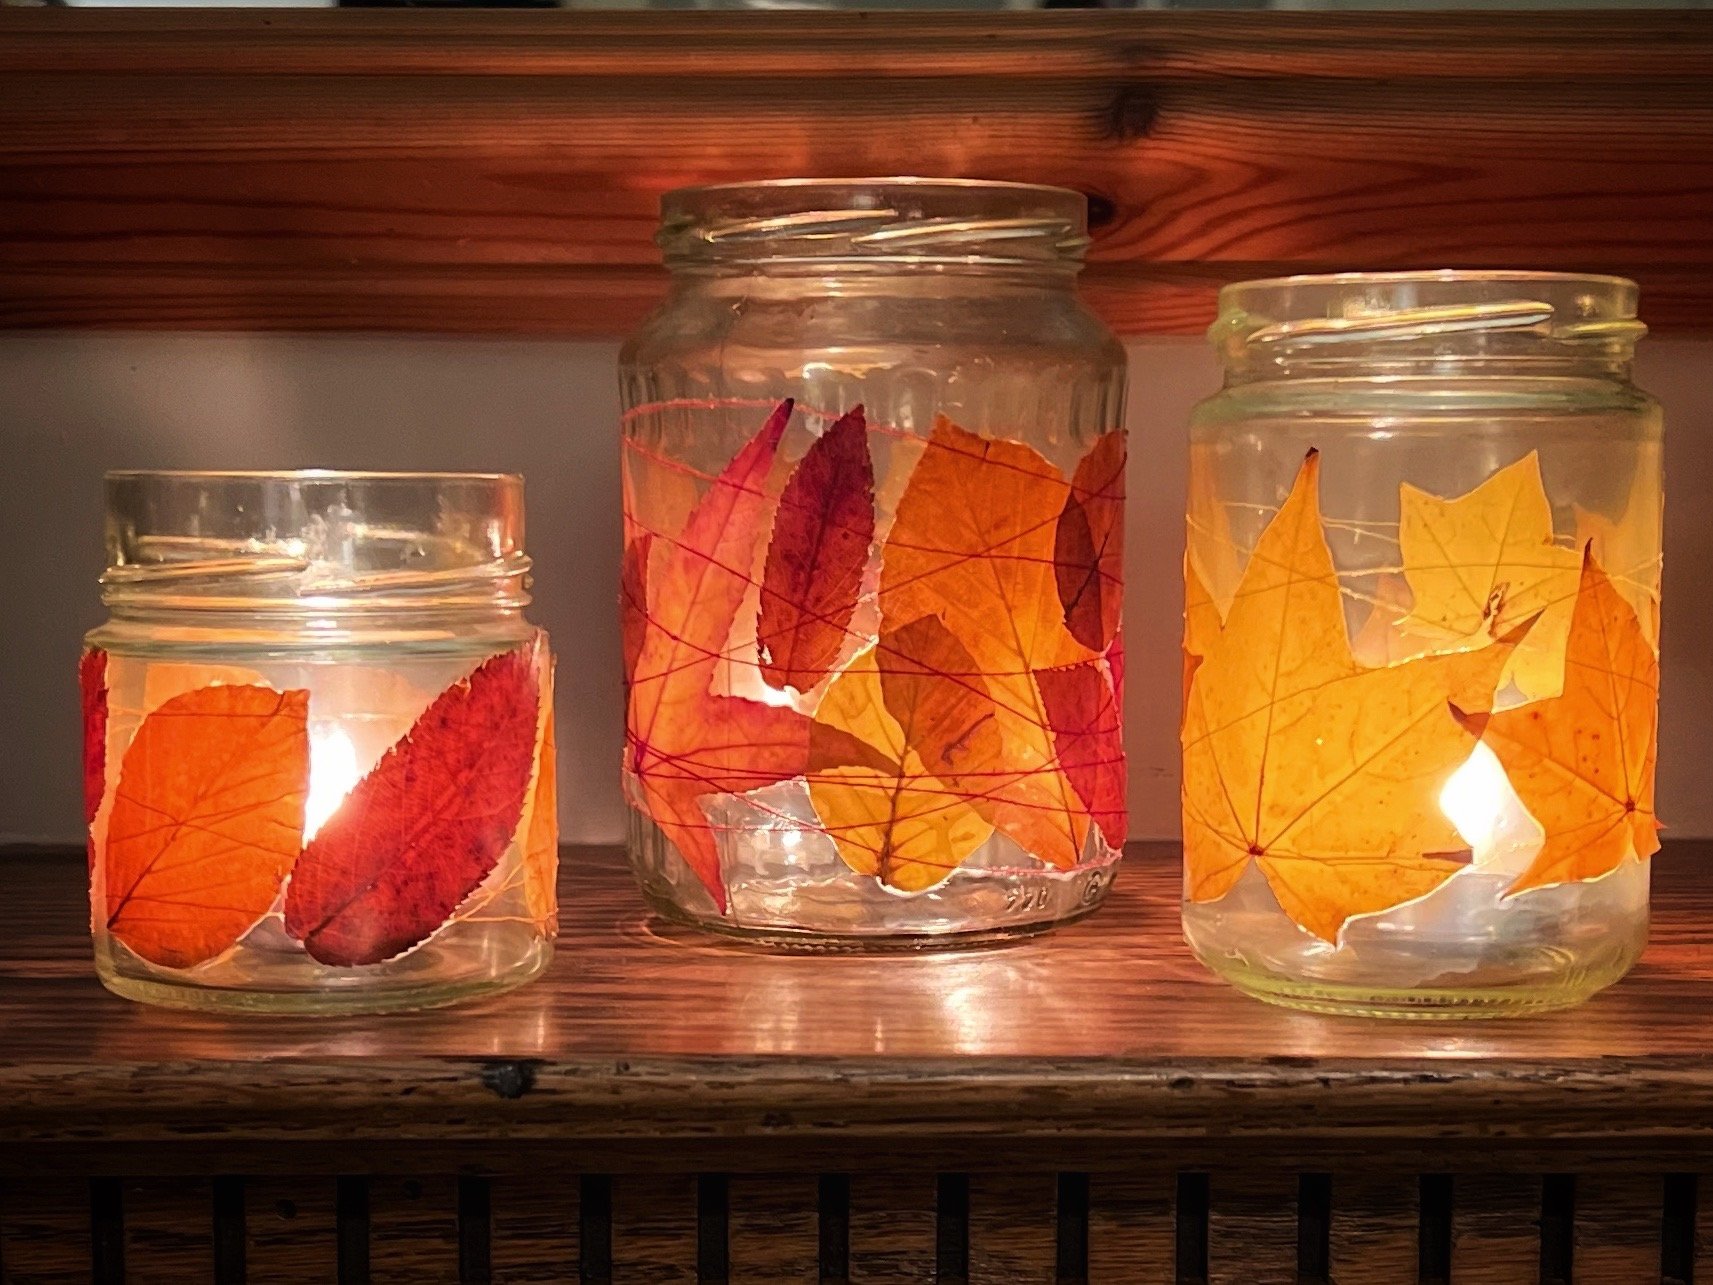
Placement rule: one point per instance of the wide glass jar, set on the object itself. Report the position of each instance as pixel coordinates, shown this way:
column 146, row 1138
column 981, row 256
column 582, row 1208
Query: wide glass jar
column 874, row 480
column 1421, row 643
column 318, row 756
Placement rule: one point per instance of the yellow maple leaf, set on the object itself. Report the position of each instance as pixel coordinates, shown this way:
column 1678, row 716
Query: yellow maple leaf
column 1483, row 563
column 1324, row 773
column 1583, row 762
column 1629, row 547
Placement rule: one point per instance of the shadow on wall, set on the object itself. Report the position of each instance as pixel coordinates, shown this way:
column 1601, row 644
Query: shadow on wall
column 73, row 405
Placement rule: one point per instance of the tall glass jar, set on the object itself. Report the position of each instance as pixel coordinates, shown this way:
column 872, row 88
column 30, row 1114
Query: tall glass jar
column 874, row 510
column 318, row 742
column 1421, row 643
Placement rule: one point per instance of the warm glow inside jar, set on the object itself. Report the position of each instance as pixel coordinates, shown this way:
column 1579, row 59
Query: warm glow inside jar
column 1421, row 643
column 874, row 508
column 318, row 742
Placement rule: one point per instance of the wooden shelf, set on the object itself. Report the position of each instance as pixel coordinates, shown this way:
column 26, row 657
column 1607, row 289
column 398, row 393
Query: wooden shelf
column 1092, row 1083
column 500, row 172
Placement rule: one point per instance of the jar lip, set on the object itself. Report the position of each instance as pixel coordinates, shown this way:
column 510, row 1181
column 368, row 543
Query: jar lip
column 915, row 182
column 1431, row 276
column 301, row 475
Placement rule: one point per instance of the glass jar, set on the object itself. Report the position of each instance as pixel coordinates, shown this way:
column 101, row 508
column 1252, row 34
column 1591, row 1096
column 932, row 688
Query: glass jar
column 1421, row 643
column 874, row 511
column 318, row 757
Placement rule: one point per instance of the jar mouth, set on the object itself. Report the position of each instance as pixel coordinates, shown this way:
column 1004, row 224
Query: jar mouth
column 1444, row 314
column 283, row 542
column 900, row 220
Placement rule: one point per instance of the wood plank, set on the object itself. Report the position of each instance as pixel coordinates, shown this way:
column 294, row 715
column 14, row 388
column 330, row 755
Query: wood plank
column 454, row 172
column 44, row 1230
column 654, row 1230
column 169, row 1229
column 413, row 1230
column 291, row 1230
column 774, row 1231
column 1618, row 1227
column 1013, row 1225
column 1252, row 1228
column 535, row 1228
column 892, row 1224
column 1374, row 1223
column 1495, row 1223
column 1132, row 1229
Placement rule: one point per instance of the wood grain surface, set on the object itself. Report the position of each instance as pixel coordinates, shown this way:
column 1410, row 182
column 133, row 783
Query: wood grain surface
column 500, row 172
column 1106, row 1028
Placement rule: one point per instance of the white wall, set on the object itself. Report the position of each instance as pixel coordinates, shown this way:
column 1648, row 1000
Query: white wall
column 72, row 405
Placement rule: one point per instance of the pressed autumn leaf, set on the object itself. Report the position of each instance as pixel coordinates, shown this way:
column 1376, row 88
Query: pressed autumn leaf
column 1583, row 762
column 206, row 820
column 92, row 687
column 1484, row 563
column 815, row 560
column 684, row 743
column 1629, row 548
column 901, row 741
column 1088, row 731
column 541, row 844
column 973, row 543
column 1088, row 545
column 633, row 599
column 426, row 826
column 1324, row 773
column 1201, row 627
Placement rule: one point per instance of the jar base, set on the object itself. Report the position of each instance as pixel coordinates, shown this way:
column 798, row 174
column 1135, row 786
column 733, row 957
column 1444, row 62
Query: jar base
column 378, row 998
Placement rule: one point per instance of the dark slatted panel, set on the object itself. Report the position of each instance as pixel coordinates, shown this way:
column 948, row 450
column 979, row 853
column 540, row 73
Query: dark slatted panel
column 1190, row 1228
column 655, row 1238
column 952, row 1229
column 1252, row 1229
column 1132, row 1233
column 231, row 1248
column 536, row 1222
column 413, row 1230
column 595, row 1230
column 892, row 1229
column 1373, row 1227
column 1619, row 1229
column 1495, row 1224
column 1558, row 1229
column 1437, row 1194
column 351, row 1196
column 774, row 1232
column 106, row 1231
column 1071, row 1251
column 475, row 1231
column 1013, row 1226
column 1678, row 1234
column 291, row 1230
column 169, row 1230
column 44, row 1231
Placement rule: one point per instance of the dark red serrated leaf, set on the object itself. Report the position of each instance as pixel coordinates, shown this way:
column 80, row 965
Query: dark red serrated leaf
column 92, row 683
column 633, row 599
column 1088, row 546
column 420, row 832
column 1088, row 734
column 815, row 561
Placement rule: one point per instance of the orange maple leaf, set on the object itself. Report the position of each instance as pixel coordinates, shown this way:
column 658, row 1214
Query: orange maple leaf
column 1324, row 773
column 973, row 543
column 541, row 842
column 206, row 821
column 1583, row 762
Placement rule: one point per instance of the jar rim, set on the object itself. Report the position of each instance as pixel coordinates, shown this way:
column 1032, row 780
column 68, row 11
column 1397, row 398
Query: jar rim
column 303, row 475
column 1426, row 276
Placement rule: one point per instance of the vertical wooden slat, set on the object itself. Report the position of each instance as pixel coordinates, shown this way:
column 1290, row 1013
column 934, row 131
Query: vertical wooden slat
column 44, row 1231
column 536, row 1223
column 1618, row 1227
column 1013, row 1221
column 892, row 1224
column 1252, row 1229
column 106, row 1231
column 654, row 1230
column 1558, row 1228
column 774, row 1232
column 230, row 1237
column 1679, row 1235
column 169, row 1230
column 291, row 1231
column 1374, row 1222
column 1495, row 1222
column 413, row 1230
column 1132, row 1231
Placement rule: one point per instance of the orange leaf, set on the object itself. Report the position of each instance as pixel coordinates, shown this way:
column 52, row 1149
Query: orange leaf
column 973, row 543
column 541, row 844
column 206, row 821
column 92, row 686
column 1323, row 772
column 1629, row 547
column 683, row 742
column 633, row 599
column 1088, row 731
column 1583, row 762
column 1201, row 628
column 1088, row 545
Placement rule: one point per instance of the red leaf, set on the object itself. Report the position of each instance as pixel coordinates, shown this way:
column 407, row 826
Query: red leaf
column 821, row 540
column 633, row 599
column 1088, row 733
column 92, row 682
column 1088, row 546
column 422, row 830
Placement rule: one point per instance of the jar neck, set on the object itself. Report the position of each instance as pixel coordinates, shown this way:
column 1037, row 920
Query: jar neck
column 857, row 277
column 1257, row 368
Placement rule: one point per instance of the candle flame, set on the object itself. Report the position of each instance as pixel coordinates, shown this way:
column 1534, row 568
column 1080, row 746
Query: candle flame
column 333, row 771
column 1475, row 798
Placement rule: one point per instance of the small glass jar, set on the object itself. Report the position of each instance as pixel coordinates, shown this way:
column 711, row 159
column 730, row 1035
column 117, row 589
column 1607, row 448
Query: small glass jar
column 1421, row 643
column 873, row 500
column 318, row 759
